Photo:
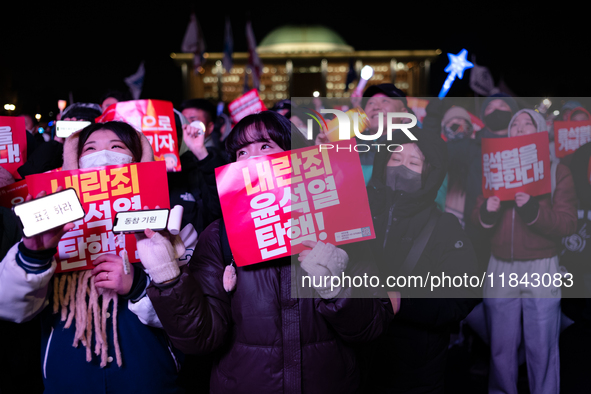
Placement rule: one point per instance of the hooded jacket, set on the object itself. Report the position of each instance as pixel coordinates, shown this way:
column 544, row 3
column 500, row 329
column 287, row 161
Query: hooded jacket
column 534, row 230
column 410, row 358
column 150, row 363
column 264, row 339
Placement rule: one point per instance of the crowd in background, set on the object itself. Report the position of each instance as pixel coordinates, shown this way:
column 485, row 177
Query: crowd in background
column 206, row 325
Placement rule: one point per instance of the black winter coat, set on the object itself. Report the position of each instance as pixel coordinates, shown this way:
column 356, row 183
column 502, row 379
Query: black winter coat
column 410, row 358
column 267, row 341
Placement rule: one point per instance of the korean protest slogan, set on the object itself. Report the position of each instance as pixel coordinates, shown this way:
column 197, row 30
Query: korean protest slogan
column 516, row 164
column 154, row 118
column 103, row 191
column 570, row 135
column 13, row 143
column 272, row 203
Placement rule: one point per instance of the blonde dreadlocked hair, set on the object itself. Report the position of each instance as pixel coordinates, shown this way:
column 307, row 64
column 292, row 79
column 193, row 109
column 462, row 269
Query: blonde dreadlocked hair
column 76, row 291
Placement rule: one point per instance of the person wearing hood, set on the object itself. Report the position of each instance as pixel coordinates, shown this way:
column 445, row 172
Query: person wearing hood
column 457, row 128
column 526, row 235
column 100, row 332
column 410, row 357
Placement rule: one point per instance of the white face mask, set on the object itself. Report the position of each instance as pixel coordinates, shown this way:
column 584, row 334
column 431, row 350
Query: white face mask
column 104, row 158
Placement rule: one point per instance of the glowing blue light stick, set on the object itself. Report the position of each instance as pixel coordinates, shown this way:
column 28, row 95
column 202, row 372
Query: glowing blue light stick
column 456, row 66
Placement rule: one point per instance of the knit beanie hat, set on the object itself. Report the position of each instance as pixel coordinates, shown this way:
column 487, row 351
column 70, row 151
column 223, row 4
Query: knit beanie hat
column 537, row 118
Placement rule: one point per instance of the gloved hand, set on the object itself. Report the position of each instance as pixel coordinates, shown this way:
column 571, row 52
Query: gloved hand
column 158, row 255
column 324, row 260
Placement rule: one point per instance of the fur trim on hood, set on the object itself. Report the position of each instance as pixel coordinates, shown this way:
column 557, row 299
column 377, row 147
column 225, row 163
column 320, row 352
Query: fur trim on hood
column 71, row 151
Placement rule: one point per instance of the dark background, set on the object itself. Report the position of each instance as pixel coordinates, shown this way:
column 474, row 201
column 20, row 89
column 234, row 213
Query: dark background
column 48, row 50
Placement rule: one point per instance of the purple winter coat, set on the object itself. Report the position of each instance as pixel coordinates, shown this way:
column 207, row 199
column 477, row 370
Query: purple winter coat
column 268, row 342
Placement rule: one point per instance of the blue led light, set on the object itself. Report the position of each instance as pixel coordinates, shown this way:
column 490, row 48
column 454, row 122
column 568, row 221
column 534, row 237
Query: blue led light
column 456, row 66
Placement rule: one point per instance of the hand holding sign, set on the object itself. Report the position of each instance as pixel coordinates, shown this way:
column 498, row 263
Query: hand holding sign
column 493, row 204
column 50, row 238
column 521, row 199
column 158, row 256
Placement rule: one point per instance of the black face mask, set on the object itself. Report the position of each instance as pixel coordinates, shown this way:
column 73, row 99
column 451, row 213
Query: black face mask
column 403, row 178
column 497, row 120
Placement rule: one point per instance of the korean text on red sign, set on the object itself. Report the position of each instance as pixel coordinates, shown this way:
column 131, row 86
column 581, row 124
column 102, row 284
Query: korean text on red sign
column 516, row 164
column 103, row 191
column 248, row 103
column 13, row 143
column 569, row 136
column 154, row 118
column 271, row 204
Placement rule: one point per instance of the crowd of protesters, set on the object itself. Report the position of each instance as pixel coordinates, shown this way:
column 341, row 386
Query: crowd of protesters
column 189, row 320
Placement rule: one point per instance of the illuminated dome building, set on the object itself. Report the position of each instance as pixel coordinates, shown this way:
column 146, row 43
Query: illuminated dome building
column 299, row 60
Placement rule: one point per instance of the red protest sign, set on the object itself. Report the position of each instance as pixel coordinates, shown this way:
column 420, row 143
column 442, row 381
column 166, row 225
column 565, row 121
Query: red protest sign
column 154, row 118
column 13, row 143
column 569, row 136
column 248, row 103
column 13, row 194
column 273, row 203
column 516, row 164
column 103, row 191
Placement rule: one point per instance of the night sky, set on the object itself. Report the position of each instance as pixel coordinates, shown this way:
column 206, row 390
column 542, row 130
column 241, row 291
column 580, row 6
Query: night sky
column 48, row 50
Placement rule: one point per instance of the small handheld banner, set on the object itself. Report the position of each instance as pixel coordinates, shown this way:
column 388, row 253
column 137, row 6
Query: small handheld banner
column 570, row 135
column 13, row 143
column 248, row 103
column 154, row 118
column 516, row 164
column 103, row 191
column 13, row 194
column 273, row 203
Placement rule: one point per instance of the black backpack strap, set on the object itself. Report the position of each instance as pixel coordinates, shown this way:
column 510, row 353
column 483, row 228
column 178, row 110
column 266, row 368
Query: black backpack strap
column 418, row 245
column 226, row 250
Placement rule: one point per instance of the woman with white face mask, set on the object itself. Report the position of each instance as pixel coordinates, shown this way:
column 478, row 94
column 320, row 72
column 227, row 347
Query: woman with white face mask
column 95, row 334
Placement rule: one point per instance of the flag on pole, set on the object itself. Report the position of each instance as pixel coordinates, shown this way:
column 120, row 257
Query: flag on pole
column 254, row 63
column 135, row 82
column 228, row 47
column 194, row 42
column 351, row 74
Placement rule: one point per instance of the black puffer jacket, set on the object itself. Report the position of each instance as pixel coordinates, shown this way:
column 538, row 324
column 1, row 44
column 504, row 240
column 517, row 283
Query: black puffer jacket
column 410, row 358
column 267, row 341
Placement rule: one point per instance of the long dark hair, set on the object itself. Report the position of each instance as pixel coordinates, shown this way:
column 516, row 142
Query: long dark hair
column 126, row 133
column 277, row 127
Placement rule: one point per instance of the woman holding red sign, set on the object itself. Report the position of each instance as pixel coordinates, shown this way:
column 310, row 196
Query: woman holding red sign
column 526, row 234
column 104, row 309
column 267, row 340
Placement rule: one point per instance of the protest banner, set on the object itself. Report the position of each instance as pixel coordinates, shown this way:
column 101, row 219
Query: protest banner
column 273, row 203
column 516, row 164
column 103, row 191
column 13, row 194
column 13, row 143
column 570, row 135
column 154, row 118
column 248, row 103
